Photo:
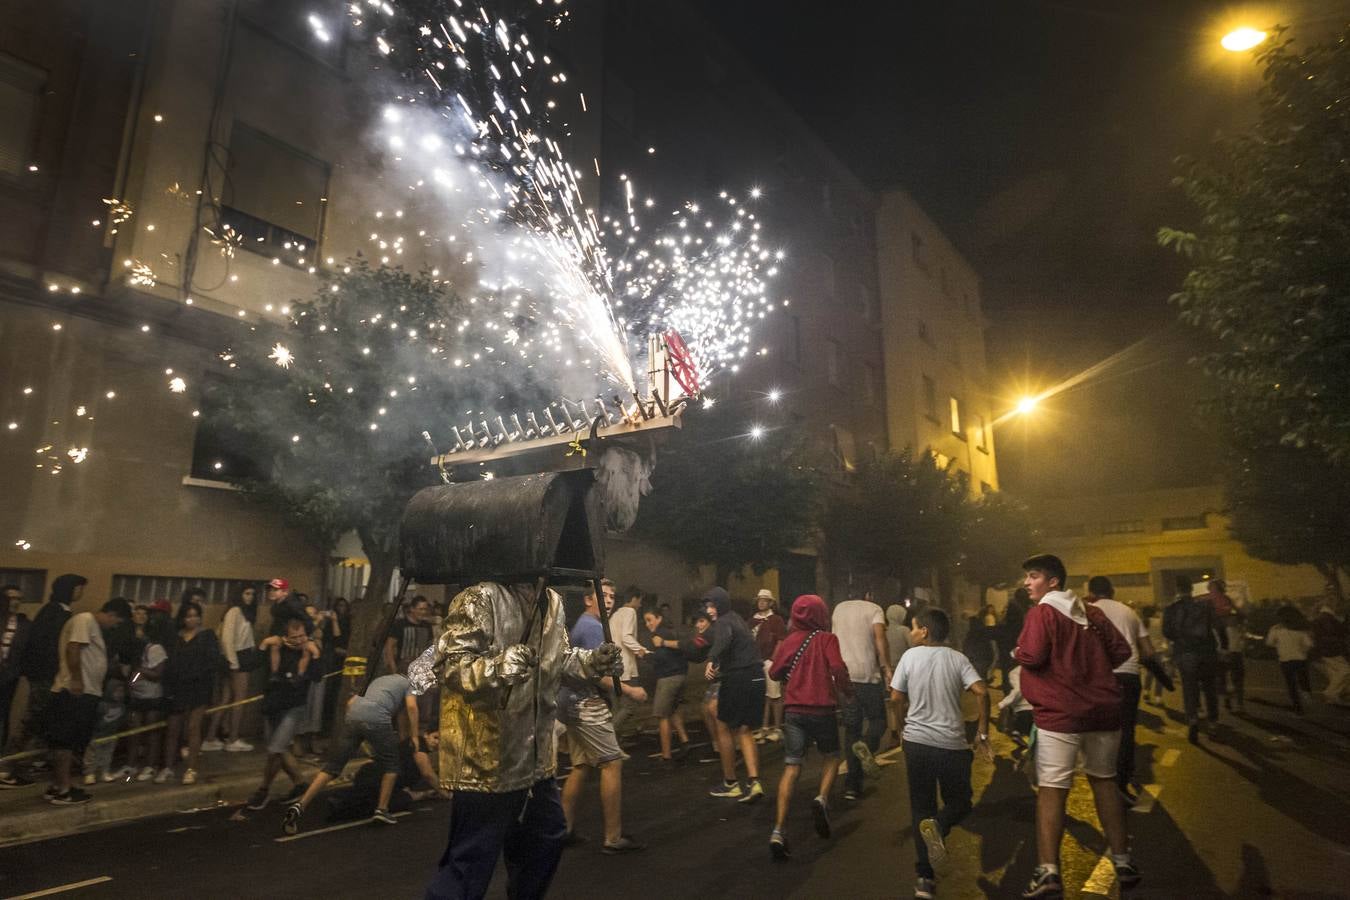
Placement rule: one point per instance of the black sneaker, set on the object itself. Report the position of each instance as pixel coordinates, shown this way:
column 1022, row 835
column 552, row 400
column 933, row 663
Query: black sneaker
column 72, row 797
column 257, row 800
column 1044, row 883
column 821, row 817
column 624, row 844
column 382, row 816
column 14, row 780
column 778, row 846
column 290, row 819
column 1127, row 874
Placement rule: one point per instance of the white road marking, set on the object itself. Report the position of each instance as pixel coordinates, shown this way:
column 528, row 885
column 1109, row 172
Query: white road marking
column 1148, row 799
column 1102, row 879
column 61, row 889
column 343, row 826
column 1169, row 757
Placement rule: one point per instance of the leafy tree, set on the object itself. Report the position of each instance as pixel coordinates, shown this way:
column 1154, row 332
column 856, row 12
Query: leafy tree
column 1291, row 505
column 899, row 516
column 334, row 403
column 1271, row 282
column 999, row 534
column 726, row 497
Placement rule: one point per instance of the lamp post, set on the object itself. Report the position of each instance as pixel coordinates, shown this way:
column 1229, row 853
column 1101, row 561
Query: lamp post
column 1240, row 40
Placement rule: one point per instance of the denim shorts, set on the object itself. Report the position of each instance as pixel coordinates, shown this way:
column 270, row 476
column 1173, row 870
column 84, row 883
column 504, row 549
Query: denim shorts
column 280, row 735
column 383, row 740
column 800, row 731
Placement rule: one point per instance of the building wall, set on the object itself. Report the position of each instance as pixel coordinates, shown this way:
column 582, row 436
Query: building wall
column 933, row 327
column 1141, row 539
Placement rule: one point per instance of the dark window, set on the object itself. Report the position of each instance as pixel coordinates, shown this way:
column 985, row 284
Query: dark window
column 20, row 91
column 1185, row 523
column 930, row 398
column 274, row 196
column 31, row 582
column 221, row 452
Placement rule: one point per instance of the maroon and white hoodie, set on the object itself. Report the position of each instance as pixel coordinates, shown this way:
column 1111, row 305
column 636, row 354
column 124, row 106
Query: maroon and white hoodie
column 1067, row 651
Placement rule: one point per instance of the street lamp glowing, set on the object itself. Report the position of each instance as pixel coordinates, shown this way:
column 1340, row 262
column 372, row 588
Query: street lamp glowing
column 1027, row 404
column 756, row 432
column 775, row 395
column 1241, row 39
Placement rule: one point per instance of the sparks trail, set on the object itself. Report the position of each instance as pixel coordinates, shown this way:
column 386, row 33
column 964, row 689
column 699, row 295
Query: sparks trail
column 472, row 123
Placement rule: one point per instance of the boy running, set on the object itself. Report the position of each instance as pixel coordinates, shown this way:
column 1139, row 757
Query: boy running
column 927, row 688
column 810, row 667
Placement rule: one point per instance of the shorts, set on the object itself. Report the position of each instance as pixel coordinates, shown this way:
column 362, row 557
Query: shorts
column 281, row 730
column 71, row 720
column 800, row 731
column 740, row 702
column 383, row 741
column 1057, row 756
column 593, row 744
column 669, row 694
column 188, row 695
column 773, row 690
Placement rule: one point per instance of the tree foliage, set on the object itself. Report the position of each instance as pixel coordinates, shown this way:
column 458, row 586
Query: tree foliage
column 1271, row 282
column 725, row 498
column 900, row 516
column 1000, row 533
column 1291, row 506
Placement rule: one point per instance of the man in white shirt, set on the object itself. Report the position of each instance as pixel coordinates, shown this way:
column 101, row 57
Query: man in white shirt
column 623, row 629
column 76, row 692
column 860, row 626
column 1101, row 593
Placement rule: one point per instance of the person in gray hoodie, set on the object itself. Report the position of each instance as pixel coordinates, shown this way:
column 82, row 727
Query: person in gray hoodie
column 734, row 662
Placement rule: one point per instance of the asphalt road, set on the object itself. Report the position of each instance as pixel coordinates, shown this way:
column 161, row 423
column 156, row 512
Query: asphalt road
column 1258, row 810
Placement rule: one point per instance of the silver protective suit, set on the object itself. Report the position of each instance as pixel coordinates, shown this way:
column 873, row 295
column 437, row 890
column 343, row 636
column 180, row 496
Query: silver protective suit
column 485, row 746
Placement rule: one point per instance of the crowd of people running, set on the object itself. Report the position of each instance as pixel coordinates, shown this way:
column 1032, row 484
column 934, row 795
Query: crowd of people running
column 122, row 694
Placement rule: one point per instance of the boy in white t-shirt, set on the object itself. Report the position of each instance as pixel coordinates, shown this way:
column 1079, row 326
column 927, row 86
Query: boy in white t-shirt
column 1101, row 594
column 927, row 687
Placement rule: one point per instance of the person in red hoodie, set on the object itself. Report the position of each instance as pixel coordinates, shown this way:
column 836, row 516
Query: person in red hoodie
column 1067, row 651
column 811, row 669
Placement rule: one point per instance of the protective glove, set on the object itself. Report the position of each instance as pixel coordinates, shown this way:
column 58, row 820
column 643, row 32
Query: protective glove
column 605, row 658
column 518, row 662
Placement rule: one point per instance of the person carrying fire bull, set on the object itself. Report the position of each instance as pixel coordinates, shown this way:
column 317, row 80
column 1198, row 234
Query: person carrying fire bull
column 500, row 660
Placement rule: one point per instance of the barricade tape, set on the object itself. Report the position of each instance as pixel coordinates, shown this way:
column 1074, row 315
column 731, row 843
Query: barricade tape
column 155, row 726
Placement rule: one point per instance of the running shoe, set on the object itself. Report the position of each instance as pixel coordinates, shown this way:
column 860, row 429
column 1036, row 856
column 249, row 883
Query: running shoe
column 72, row 797
column 852, row 795
column 290, row 819
column 774, row 734
column 238, row 746
column 212, row 746
column 146, row 774
column 871, row 768
column 821, row 816
column 89, row 778
column 624, row 844
column 730, row 790
column 932, row 839
column 925, row 888
column 1127, row 874
column 1044, row 883
column 258, row 799
column 755, row 794
column 778, row 846
column 382, row 816
column 14, row 780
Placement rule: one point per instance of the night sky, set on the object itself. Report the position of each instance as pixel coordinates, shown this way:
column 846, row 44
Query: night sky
column 1041, row 136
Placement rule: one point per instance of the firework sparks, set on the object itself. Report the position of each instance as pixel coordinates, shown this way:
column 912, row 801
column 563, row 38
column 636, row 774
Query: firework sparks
column 281, row 356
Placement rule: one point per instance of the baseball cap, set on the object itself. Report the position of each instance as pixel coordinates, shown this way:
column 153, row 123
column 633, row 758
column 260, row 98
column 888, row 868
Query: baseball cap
column 279, row 584
column 764, row 594
column 162, row 605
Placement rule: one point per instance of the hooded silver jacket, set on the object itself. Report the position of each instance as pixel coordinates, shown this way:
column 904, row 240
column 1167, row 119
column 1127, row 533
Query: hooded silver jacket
column 485, row 746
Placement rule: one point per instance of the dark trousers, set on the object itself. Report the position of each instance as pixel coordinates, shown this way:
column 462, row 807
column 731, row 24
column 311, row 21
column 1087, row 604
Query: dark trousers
column 1235, row 676
column 931, row 769
column 526, row 827
column 864, row 719
column 1130, row 690
column 1198, row 675
column 1295, row 672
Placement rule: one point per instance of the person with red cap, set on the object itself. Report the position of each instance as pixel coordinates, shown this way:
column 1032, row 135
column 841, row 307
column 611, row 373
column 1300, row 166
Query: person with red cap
column 284, row 604
column 812, row 671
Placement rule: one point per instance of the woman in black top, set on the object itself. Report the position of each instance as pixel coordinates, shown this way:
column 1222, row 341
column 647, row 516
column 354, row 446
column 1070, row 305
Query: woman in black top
column 189, row 681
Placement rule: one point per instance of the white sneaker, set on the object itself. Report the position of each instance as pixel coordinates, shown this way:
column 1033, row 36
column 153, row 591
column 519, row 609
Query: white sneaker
column 164, row 775
column 190, row 776
column 212, row 745
column 89, row 779
column 146, row 774
column 238, row 746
